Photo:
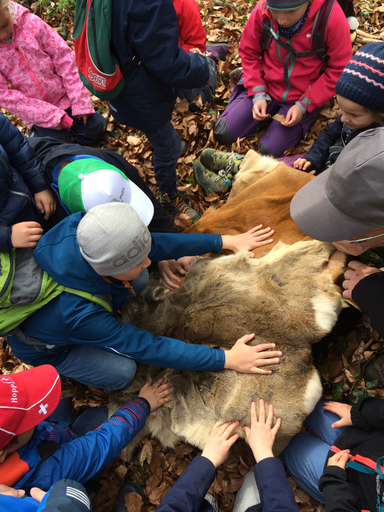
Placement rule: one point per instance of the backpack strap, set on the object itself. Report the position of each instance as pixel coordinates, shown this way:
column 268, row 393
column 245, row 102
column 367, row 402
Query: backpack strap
column 318, row 31
column 135, row 62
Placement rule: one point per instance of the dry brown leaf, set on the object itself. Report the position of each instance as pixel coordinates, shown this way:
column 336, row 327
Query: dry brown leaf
column 146, row 453
column 158, row 493
column 280, row 118
column 133, row 502
column 134, row 141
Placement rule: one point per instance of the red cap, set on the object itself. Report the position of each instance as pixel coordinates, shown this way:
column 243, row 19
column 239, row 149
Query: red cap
column 26, row 399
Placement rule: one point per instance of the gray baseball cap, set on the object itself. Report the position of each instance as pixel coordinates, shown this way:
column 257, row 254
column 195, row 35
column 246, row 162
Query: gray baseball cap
column 113, row 239
column 346, row 200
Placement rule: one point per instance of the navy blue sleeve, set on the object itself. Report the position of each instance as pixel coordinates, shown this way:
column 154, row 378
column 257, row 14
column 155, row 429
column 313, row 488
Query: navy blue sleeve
column 275, row 491
column 11, row 504
column 21, row 156
column 369, row 296
column 187, row 494
column 65, row 496
column 5, row 238
column 166, row 246
column 151, row 28
column 319, row 152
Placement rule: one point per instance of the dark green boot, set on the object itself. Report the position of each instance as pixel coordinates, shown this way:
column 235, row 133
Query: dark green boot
column 175, row 205
column 210, row 181
column 215, row 160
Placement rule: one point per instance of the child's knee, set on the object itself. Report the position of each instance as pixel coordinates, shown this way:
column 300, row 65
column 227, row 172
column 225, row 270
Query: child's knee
column 222, row 133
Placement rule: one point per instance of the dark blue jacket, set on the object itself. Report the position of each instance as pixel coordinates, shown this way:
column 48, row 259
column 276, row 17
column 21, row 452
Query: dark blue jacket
column 71, row 320
column 21, row 175
column 63, row 496
column 337, row 135
column 187, row 495
column 150, row 28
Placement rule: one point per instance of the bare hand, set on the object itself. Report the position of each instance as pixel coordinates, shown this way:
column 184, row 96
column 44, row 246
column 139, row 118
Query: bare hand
column 37, row 494
column 259, row 110
column 26, row 234
column 261, row 435
column 302, row 163
column 342, row 410
column 196, row 50
column 246, row 359
column 166, row 268
column 10, row 491
column 157, row 393
column 252, row 239
column 340, row 459
column 355, row 273
column 219, row 442
column 294, row 116
column 85, row 119
column 45, row 203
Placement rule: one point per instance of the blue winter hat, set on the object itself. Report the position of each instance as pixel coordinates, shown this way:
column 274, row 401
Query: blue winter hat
column 285, row 5
column 362, row 80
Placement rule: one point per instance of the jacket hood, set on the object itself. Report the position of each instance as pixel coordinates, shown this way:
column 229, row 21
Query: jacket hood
column 59, row 255
column 18, row 11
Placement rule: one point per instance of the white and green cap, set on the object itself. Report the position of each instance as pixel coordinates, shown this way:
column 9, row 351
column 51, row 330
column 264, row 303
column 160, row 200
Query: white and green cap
column 89, row 182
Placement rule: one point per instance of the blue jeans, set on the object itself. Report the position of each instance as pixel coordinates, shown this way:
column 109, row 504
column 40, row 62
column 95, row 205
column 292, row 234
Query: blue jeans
column 306, row 454
column 166, row 145
column 79, row 133
column 65, row 415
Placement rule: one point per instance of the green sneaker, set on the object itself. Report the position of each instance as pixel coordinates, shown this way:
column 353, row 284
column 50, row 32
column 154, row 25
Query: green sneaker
column 221, row 160
column 210, row 181
column 175, row 205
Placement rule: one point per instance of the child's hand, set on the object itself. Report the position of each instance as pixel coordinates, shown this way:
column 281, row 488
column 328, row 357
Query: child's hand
column 45, row 203
column 246, row 359
column 219, row 442
column 340, row 459
column 37, row 494
column 255, row 237
column 26, row 234
column 196, row 50
column 10, row 491
column 261, row 435
column 342, row 410
column 259, row 110
column 182, row 265
column 294, row 116
column 157, row 393
column 302, row 163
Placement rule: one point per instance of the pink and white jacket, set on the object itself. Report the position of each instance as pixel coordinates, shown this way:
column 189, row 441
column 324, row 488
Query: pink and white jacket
column 38, row 74
column 264, row 71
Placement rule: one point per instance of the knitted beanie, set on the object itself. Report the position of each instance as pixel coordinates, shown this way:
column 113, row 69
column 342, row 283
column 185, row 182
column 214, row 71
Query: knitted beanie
column 285, row 5
column 113, row 239
column 362, row 80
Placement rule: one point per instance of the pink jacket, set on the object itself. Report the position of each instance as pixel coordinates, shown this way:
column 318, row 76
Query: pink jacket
column 38, row 74
column 264, row 71
column 191, row 30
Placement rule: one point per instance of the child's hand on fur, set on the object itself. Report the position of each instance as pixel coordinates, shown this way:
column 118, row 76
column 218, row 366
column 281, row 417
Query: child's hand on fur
column 167, row 267
column 252, row 239
column 302, row 164
column 156, row 393
column 261, row 435
column 219, row 442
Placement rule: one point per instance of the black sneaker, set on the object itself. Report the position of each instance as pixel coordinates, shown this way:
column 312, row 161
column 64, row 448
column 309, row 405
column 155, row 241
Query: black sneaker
column 126, row 488
column 174, row 205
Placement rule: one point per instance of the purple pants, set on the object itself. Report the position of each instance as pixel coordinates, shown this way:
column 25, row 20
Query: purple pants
column 237, row 121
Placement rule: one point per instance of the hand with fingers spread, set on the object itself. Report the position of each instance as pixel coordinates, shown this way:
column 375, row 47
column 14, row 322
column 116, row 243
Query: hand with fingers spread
column 156, row 393
column 252, row 239
column 26, row 234
column 167, row 267
column 247, row 359
column 340, row 459
column 219, row 442
column 342, row 410
column 261, row 435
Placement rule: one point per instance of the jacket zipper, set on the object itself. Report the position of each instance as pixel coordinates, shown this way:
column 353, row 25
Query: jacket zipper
column 83, row 5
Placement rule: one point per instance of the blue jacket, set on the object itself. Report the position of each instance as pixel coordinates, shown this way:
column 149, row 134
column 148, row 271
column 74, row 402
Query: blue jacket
column 150, row 28
column 188, row 492
column 21, row 175
column 80, row 458
column 63, row 496
column 71, row 320
column 337, row 135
